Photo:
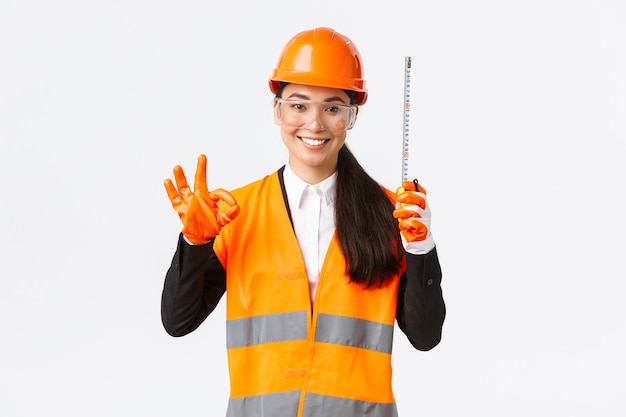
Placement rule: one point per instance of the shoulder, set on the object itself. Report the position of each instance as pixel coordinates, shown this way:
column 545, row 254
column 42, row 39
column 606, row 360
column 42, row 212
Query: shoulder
column 254, row 188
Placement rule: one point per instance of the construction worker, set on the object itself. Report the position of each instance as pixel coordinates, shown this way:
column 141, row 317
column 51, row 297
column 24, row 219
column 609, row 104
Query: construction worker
column 317, row 260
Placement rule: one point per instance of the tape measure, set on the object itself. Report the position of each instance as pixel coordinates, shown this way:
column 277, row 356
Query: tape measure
column 405, row 125
column 405, row 119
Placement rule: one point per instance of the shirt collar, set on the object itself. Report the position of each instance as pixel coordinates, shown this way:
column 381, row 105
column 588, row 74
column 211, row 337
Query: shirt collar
column 296, row 188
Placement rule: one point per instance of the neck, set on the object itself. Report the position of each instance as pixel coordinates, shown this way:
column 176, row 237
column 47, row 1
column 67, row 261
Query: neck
column 312, row 175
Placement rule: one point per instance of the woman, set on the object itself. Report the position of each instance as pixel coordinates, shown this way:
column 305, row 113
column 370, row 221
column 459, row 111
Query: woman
column 316, row 260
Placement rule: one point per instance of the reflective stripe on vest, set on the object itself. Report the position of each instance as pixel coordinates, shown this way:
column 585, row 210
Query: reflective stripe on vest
column 347, row 331
column 354, row 332
column 267, row 328
column 323, row 405
column 267, row 405
column 285, row 404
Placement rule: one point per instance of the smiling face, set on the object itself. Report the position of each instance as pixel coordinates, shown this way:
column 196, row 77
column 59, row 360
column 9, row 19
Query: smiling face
column 313, row 148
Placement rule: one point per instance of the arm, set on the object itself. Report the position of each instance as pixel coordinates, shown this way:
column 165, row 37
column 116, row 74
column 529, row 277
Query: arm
column 196, row 280
column 194, row 285
column 421, row 310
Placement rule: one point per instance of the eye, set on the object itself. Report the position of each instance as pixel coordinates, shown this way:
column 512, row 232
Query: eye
column 333, row 109
column 298, row 106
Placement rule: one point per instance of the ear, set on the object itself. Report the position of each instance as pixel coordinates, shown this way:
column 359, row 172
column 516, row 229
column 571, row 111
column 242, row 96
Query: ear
column 275, row 111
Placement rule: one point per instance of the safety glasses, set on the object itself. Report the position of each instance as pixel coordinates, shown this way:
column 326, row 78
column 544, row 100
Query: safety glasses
column 303, row 113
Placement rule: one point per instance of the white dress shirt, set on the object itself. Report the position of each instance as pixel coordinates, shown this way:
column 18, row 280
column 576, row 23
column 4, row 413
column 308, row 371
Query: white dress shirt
column 312, row 209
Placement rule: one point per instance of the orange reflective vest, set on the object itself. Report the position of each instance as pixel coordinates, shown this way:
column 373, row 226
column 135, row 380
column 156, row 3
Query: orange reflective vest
column 284, row 358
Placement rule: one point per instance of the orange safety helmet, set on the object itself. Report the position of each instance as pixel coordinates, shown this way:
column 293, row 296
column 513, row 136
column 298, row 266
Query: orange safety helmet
column 321, row 57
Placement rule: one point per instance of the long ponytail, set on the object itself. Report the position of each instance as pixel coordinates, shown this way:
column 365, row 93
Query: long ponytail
column 366, row 230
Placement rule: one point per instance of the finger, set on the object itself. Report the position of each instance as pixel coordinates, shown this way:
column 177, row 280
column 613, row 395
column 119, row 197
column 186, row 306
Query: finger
column 227, row 215
column 231, row 212
column 181, row 181
column 406, row 212
column 408, row 185
column 222, row 219
column 411, row 197
column 172, row 193
column 221, row 194
column 200, row 180
column 413, row 230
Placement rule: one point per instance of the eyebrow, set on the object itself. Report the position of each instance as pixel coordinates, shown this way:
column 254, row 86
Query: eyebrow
column 326, row 100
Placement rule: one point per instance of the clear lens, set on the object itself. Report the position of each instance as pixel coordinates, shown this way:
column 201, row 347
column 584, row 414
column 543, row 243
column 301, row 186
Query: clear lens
column 302, row 113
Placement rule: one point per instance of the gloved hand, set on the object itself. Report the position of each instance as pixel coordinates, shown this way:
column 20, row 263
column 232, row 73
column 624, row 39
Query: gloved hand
column 202, row 219
column 413, row 216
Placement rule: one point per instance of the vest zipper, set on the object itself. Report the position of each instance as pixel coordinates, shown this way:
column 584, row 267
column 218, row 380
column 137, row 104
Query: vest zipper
column 312, row 330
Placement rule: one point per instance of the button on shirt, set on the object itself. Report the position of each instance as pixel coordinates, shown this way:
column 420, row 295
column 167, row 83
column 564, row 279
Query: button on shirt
column 313, row 214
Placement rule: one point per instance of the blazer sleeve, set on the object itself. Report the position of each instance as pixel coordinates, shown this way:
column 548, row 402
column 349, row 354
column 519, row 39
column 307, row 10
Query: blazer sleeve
column 194, row 284
column 421, row 309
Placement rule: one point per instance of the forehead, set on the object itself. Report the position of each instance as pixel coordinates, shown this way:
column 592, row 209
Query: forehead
column 316, row 93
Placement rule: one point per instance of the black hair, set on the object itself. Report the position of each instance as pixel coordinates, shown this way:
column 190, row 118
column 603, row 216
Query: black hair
column 367, row 232
column 366, row 229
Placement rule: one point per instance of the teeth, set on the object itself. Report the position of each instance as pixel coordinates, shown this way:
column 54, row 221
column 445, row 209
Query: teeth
column 313, row 142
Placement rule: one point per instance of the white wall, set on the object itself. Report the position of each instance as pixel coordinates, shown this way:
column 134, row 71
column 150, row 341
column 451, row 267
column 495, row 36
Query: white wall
column 517, row 131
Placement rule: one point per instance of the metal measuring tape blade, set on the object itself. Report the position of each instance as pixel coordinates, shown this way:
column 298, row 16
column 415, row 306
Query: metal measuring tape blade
column 405, row 119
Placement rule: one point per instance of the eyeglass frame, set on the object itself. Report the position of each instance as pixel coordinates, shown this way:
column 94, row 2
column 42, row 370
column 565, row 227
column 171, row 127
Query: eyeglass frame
column 352, row 111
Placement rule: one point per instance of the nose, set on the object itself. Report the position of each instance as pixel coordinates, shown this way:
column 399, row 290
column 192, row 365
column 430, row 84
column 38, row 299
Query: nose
column 315, row 125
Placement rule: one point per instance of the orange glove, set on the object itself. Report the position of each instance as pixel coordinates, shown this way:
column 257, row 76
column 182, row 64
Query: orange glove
column 413, row 216
column 202, row 219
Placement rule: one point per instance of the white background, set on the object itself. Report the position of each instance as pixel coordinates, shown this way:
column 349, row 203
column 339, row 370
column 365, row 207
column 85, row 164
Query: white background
column 518, row 132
